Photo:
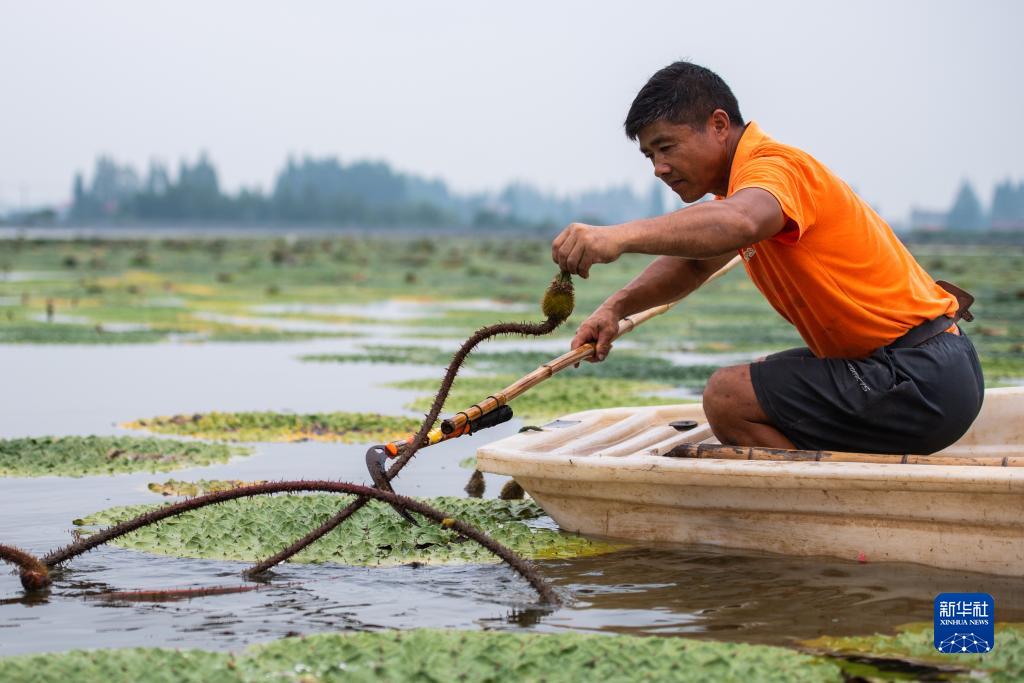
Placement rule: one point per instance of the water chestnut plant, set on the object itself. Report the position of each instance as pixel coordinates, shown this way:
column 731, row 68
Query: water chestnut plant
column 344, row 427
column 559, row 299
column 78, row 456
column 439, row 655
column 246, row 529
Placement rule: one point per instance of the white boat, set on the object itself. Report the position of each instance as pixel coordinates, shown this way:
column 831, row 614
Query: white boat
column 606, row 473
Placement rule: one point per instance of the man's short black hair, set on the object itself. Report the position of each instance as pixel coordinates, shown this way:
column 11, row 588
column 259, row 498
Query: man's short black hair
column 682, row 92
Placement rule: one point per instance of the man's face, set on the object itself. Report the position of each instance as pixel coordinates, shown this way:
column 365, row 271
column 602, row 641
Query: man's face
column 692, row 162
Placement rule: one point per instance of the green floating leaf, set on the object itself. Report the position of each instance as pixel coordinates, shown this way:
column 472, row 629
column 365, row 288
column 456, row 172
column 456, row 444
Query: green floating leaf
column 252, row 528
column 77, row 456
column 267, row 426
column 438, row 655
column 914, row 644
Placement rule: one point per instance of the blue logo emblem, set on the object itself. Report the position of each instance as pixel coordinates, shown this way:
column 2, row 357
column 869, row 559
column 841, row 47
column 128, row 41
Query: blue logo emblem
column 964, row 623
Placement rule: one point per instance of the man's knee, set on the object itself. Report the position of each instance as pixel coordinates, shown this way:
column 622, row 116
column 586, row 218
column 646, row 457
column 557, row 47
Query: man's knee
column 734, row 413
column 721, row 395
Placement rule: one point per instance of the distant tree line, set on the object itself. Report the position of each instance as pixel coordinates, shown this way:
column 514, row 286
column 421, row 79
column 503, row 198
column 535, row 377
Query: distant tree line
column 967, row 212
column 327, row 192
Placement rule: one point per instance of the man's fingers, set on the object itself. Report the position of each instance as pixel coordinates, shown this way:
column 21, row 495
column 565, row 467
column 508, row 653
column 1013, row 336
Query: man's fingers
column 584, row 263
column 560, row 237
column 600, row 330
column 569, row 250
column 601, row 351
column 604, row 343
column 572, row 262
column 563, row 246
column 584, row 334
column 592, row 357
column 557, row 243
column 564, row 252
column 596, row 335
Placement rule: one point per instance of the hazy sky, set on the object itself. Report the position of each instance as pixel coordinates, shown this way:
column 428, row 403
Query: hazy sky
column 902, row 99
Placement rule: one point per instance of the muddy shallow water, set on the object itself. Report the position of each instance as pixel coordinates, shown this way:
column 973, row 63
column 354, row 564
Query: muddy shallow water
column 667, row 590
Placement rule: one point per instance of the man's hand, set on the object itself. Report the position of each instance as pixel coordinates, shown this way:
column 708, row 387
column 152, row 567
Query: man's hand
column 600, row 328
column 580, row 246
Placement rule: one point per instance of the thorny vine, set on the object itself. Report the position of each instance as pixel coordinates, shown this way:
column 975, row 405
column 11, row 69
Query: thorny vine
column 171, row 594
column 417, row 442
column 33, row 572
column 557, row 305
column 87, row 543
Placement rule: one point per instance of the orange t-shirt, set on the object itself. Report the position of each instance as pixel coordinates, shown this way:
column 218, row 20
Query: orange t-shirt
column 836, row 271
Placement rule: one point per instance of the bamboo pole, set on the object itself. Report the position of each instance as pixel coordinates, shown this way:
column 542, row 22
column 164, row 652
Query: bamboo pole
column 720, row 452
column 569, row 359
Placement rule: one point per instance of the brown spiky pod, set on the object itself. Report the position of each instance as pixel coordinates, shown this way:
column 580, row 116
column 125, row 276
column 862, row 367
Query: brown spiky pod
column 524, row 568
column 484, row 333
column 511, row 491
column 476, row 485
column 32, row 571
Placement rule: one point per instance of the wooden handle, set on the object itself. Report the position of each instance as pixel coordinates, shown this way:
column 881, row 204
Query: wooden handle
column 569, row 359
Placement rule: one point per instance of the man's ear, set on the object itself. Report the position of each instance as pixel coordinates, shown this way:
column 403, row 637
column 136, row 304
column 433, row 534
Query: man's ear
column 720, row 124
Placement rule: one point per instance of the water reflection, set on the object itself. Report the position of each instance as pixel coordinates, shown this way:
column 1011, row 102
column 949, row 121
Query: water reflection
column 750, row 597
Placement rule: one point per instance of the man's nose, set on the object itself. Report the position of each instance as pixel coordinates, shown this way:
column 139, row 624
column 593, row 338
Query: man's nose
column 661, row 169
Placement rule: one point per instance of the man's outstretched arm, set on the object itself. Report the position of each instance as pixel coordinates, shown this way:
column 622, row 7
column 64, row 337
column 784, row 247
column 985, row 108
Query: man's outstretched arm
column 700, row 231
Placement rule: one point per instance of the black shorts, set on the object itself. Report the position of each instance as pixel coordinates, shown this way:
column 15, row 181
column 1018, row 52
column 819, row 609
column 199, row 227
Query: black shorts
column 916, row 399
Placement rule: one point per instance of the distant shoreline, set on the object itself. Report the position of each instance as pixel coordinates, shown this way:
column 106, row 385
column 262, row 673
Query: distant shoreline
column 225, row 231
column 262, row 231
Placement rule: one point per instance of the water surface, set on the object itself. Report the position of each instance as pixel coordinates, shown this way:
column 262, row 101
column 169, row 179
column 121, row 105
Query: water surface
column 665, row 590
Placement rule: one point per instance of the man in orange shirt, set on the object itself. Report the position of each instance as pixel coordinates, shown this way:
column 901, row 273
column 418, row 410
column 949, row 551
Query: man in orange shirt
column 886, row 369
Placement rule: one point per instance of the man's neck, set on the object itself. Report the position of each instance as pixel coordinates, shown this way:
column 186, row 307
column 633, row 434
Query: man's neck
column 735, row 134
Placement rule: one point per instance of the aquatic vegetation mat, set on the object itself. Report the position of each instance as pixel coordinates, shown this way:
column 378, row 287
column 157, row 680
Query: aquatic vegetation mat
column 913, row 644
column 137, row 281
column 268, row 426
column 549, row 400
column 1003, row 367
column 60, row 333
column 121, row 666
column 437, row 655
column 630, row 365
column 77, row 456
column 251, row 528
